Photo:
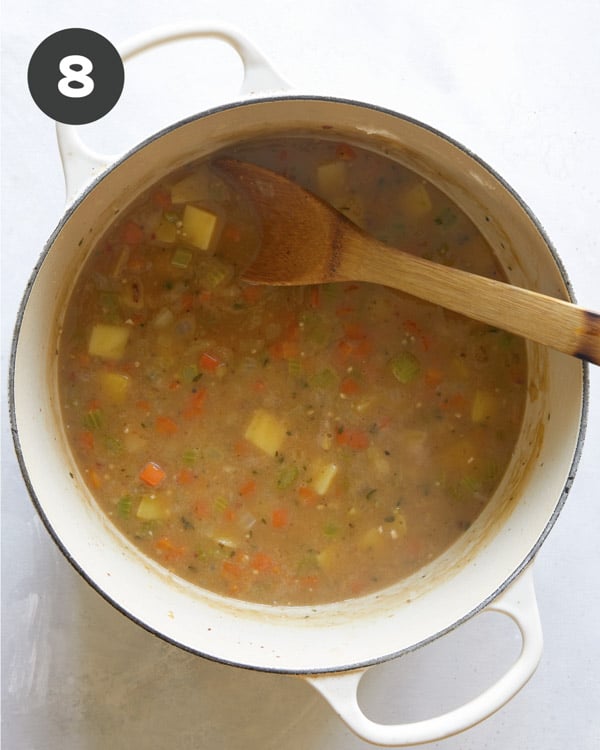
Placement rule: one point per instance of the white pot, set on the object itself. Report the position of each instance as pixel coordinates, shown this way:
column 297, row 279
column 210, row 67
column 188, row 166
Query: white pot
column 329, row 645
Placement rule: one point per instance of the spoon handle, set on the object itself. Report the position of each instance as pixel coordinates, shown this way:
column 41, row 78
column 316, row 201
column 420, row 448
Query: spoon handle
column 553, row 322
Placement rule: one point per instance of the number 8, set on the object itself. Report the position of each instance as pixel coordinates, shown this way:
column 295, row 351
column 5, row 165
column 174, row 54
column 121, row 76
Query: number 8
column 80, row 76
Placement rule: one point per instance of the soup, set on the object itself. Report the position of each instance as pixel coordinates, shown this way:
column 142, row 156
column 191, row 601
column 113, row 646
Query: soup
column 285, row 445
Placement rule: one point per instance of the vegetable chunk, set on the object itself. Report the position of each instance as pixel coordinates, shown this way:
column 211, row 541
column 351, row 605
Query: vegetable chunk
column 108, row 341
column 199, row 226
column 265, row 431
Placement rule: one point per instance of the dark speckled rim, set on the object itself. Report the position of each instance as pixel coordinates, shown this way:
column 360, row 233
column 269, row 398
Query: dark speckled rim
column 47, row 248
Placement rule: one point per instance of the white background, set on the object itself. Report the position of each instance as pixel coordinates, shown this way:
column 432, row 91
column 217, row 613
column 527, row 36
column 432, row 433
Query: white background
column 518, row 82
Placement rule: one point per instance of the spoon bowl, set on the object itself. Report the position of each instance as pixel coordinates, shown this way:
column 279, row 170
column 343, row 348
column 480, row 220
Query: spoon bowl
column 306, row 241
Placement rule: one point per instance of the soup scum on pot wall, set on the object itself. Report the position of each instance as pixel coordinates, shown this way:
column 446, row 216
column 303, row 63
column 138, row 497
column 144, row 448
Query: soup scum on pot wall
column 285, row 445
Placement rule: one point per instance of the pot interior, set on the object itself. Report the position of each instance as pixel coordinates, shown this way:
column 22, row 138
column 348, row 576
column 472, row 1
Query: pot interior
column 328, row 637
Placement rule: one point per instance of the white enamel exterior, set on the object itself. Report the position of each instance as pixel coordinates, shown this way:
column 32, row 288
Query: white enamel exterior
column 356, row 633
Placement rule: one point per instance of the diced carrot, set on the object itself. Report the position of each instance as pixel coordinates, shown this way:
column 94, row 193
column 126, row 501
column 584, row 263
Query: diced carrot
column 232, row 569
column 248, row 488
column 279, row 518
column 165, row 425
column 241, row 448
column 86, row 440
column 355, row 439
column 355, row 331
column 186, row 302
column 433, row 377
column 132, row 233
column 169, row 550
column 349, row 386
column 175, row 384
column 345, row 152
column 229, row 514
column 202, row 509
column 345, row 348
column 411, row 327
column 152, row 474
column 95, row 478
column 262, row 562
column 252, row 293
column 184, row 476
column 143, row 405
column 162, row 199
column 308, row 496
column 456, row 402
column 232, row 233
column 285, row 349
column 209, row 362
column 258, row 386
column 195, row 404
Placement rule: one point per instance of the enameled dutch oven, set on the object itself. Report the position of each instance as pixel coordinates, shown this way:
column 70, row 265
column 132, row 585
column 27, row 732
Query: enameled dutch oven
column 331, row 646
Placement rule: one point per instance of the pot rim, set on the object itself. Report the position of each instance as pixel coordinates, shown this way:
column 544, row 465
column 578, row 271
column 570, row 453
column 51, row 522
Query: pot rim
column 73, row 207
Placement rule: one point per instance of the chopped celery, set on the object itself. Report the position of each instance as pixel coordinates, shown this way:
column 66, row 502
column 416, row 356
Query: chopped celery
column 265, row 431
column 152, row 508
column 107, row 341
column 190, row 373
column 124, row 506
column 93, row 419
column 114, row 386
column 324, row 477
column 182, row 257
column 214, row 272
column 324, row 379
column 405, row 367
column 331, row 529
column 113, row 444
column 190, row 456
column 287, row 477
column 198, row 226
column 294, row 368
column 221, row 504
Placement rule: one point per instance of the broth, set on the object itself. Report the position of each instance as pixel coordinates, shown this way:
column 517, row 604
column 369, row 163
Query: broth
column 285, row 445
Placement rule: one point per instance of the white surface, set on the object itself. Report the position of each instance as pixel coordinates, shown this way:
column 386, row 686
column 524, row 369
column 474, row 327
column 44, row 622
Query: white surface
column 518, row 83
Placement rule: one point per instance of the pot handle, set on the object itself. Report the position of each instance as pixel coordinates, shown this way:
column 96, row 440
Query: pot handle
column 517, row 602
column 81, row 164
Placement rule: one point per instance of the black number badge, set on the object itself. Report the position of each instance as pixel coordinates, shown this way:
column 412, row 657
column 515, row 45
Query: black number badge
column 75, row 76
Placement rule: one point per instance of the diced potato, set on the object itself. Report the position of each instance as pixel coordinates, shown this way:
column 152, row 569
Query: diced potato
column 371, row 539
column 265, row 431
column 323, row 478
column 198, row 226
column 415, row 202
column 152, row 509
column 484, row 406
column 200, row 186
column 107, row 341
column 352, row 206
column 114, row 386
column 332, row 179
column 166, row 232
column 327, row 557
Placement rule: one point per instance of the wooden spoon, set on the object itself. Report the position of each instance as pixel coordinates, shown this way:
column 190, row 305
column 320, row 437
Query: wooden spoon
column 306, row 241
